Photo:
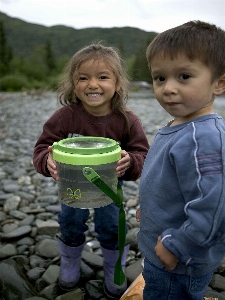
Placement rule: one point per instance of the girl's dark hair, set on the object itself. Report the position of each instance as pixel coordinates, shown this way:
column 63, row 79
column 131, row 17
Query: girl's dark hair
column 111, row 55
column 195, row 39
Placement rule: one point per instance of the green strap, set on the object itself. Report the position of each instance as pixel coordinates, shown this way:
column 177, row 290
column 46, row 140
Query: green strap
column 93, row 177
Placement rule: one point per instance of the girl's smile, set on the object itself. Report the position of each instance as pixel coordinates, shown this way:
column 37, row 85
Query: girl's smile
column 94, row 95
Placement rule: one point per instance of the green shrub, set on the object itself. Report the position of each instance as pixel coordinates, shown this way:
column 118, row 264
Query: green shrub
column 13, row 83
column 35, row 84
column 53, row 82
column 18, row 82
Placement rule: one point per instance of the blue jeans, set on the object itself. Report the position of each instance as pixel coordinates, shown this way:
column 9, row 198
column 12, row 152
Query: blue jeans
column 72, row 222
column 164, row 285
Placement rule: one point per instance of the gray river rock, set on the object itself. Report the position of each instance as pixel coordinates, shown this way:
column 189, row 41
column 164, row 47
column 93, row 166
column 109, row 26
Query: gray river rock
column 29, row 205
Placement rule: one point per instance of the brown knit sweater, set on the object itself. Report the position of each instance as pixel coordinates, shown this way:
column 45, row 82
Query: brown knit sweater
column 74, row 120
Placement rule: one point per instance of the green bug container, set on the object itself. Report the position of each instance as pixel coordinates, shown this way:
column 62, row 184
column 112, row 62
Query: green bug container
column 75, row 156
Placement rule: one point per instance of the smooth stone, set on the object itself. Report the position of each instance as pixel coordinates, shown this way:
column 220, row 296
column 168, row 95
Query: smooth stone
column 7, row 251
column 26, row 196
column 92, row 259
column 131, row 237
column 94, row 289
column 26, row 241
column 77, row 294
column 6, row 228
column 14, row 284
column 35, row 273
column 27, row 221
column 218, row 282
column 3, row 216
column 17, row 214
column 51, row 291
column 47, row 248
column 11, row 187
column 37, row 261
column 51, row 274
column 11, row 203
column 20, row 231
column 50, row 227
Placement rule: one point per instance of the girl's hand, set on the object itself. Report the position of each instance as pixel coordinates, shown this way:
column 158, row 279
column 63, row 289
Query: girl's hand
column 123, row 164
column 168, row 259
column 138, row 215
column 51, row 165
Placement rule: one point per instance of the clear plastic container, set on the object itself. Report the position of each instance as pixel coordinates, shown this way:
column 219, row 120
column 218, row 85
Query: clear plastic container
column 75, row 190
column 72, row 155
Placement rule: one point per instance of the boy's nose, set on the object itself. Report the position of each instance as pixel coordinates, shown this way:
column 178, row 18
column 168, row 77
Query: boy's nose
column 169, row 87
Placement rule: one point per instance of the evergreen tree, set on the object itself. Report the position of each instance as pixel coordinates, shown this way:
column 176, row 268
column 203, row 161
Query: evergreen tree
column 5, row 52
column 140, row 68
column 49, row 57
column 121, row 48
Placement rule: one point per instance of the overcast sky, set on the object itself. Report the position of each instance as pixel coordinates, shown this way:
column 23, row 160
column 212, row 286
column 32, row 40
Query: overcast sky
column 149, row 15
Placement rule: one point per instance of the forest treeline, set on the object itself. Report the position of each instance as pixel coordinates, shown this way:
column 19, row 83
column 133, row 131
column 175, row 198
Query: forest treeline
column 33, row 56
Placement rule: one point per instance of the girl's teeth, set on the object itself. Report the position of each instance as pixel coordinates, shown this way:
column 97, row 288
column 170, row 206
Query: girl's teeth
column 93, row 95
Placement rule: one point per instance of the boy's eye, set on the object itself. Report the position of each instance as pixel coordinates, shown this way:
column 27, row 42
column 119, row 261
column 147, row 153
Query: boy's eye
column 184, row 76
column 159, row 78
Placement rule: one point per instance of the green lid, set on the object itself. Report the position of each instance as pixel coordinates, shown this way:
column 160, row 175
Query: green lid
column 86, row 150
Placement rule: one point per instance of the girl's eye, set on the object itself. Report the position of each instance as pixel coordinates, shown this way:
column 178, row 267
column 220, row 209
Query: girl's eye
column 184, row 76
column 82, row 78
column 103, row 77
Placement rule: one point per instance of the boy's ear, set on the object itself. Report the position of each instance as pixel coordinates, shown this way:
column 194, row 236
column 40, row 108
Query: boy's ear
column 220, row 86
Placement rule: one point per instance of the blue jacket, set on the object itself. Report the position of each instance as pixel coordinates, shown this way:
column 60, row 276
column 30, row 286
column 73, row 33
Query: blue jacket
column 182, row 195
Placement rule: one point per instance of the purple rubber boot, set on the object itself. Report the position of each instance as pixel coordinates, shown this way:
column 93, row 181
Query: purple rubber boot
column 69, row 272
column 112, row 290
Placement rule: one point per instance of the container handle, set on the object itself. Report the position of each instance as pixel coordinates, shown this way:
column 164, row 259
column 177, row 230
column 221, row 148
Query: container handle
column 93, row 177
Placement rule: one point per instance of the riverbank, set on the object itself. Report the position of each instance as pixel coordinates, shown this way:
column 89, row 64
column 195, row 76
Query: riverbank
column 29, row 257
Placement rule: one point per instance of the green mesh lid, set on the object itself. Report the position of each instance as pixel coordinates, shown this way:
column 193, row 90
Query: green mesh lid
column 86, row 150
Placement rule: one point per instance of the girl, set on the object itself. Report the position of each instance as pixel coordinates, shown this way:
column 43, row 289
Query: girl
column 93, row 92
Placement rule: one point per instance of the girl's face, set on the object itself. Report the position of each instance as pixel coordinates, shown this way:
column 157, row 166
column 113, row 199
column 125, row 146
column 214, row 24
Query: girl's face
column 95, row 85
column 184, row 88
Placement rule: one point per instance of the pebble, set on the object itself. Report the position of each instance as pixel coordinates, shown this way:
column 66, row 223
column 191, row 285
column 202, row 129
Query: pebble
column 29, row 206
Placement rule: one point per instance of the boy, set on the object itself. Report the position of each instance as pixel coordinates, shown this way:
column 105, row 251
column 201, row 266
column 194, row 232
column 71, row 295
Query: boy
column 182, row 187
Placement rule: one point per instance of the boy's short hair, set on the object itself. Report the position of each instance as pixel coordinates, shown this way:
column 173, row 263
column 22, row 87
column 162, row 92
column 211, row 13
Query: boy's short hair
column 195, row 39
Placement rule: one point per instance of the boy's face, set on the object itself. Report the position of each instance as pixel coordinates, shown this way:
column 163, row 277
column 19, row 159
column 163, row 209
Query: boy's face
column 95, row 86
column 183, row 87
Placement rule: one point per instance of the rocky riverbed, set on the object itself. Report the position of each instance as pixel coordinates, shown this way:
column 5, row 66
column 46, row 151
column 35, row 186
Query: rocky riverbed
column 29, row 205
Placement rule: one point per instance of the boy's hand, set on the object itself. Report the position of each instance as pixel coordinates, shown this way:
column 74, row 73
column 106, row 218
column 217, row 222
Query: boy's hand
column 138, row 215
column 123, row 164
column 168, row 259
column 51, row 165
